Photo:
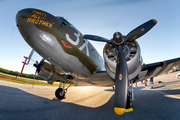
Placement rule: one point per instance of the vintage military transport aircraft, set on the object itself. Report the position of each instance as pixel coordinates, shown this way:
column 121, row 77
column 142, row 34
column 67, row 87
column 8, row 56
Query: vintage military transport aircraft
column 72, row 59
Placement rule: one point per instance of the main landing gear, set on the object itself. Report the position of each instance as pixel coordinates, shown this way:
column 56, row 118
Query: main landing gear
column 61, row 91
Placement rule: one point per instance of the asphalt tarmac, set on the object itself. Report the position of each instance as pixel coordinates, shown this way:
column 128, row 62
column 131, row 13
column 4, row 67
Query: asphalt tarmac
column 22, row 102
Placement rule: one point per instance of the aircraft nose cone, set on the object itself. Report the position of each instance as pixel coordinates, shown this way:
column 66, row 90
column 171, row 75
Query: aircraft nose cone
column 23, row 14
column 35, row 17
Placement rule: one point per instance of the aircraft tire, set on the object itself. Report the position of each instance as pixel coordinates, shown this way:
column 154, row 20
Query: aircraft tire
column 59, row 93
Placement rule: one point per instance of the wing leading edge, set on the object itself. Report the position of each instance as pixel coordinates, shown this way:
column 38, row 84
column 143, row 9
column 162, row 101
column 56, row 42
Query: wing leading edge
column 155, row 69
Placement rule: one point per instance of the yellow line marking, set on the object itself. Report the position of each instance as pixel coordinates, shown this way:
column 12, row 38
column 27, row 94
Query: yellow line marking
column 129, row 110
column 55, row 98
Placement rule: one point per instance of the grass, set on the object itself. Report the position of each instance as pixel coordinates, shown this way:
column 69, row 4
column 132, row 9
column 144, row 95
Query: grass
column 28, row 82
column 21, row 80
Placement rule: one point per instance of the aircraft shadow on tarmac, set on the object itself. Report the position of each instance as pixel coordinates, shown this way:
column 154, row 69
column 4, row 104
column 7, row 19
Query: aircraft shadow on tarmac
column 172, row 82
column 18, row 104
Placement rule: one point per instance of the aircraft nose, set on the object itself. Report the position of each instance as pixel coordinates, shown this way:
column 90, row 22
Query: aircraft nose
column 36, row 27
column 35, row 17
column 23, row 14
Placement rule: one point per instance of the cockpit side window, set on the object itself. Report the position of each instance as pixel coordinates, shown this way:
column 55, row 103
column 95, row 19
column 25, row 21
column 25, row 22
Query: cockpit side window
column 62, row 20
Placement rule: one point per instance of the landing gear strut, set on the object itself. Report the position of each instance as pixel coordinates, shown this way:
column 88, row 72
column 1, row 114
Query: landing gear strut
column 130, row 97
column 61, row 91
column 131, row 91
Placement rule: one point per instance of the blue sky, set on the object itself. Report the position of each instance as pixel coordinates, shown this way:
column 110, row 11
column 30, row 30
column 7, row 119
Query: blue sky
column 98, row 17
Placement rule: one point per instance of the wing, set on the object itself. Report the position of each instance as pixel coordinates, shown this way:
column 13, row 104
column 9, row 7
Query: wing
column 155, row 69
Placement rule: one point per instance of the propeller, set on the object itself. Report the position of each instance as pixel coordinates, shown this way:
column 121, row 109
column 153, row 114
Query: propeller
column 30, row 55
column 121, row 83
column 121, row 76
column 38, row 65
column 141, row 30
column 38, row 68
column 34, row 78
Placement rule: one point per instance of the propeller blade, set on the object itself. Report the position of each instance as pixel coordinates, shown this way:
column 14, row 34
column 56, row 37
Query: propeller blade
column 96, row 38
column 121, row 83
column 30, row 55
column 38, row 66
column 141, row 30
column 34, row 78
column 36, row 62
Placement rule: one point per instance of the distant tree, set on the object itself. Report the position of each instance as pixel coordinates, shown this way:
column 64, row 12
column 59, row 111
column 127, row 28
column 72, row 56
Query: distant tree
column 1, row 69
column 16, row 73
column 22, row 75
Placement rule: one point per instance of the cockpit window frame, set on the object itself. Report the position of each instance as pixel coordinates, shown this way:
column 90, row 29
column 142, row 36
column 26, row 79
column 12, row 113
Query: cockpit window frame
column 64, row 21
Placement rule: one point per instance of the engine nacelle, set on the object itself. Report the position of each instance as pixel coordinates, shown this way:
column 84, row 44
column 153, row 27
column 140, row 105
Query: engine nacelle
column 133, row 58
column 51, row 73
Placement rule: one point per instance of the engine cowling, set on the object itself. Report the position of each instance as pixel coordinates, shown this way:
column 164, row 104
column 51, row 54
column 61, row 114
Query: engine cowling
column 133, row 58
column 51, row 73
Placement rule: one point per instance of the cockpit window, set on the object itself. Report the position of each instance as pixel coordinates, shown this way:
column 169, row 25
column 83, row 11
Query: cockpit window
column 63, row 20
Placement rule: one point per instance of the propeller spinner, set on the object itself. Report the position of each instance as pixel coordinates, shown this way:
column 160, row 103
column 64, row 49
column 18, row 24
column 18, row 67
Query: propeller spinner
column 118, row 39
column 38, row 68
column 121, row 76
